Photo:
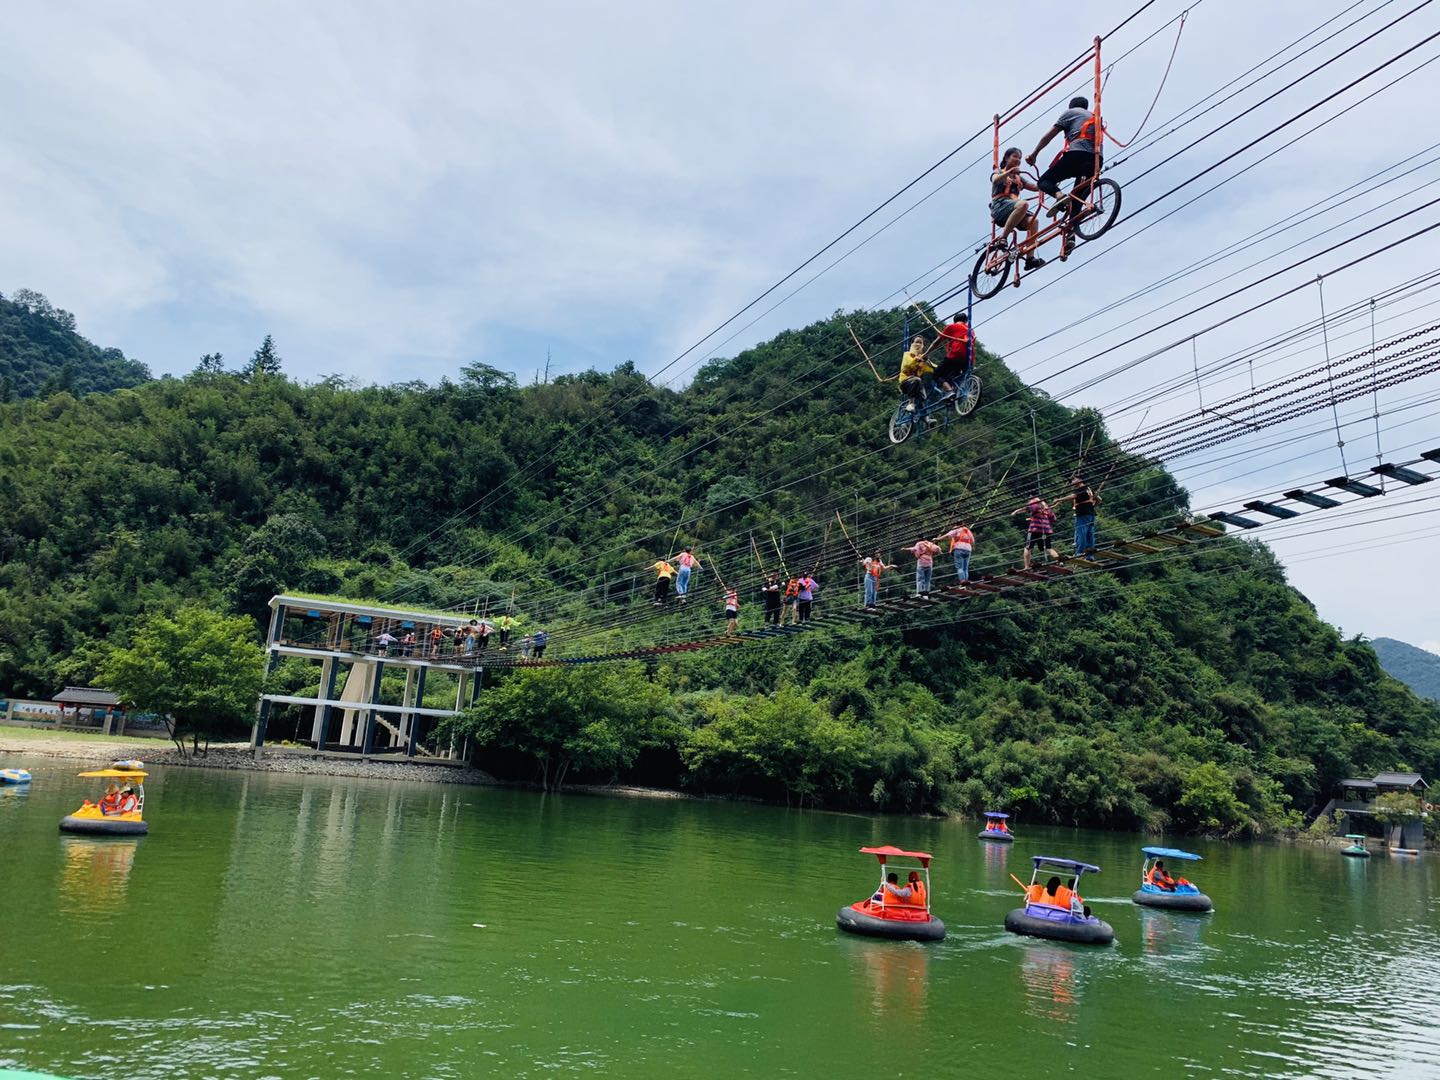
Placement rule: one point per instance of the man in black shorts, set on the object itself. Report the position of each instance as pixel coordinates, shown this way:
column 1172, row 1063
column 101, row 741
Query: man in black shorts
column 1079, row 161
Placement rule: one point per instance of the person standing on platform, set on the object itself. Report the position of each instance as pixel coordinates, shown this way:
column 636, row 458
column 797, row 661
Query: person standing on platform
column 383, row 642
column 1085, row 501
column 1039, row 528
column 806, row 588
column 437, row 638
column 732, row 611
column 505, row 624
column 962, row 543
column 924, row 552
column 789, row 597
column 686, row 562
column 770, row 593
column 541, row 640
column 407, row 643
column 874, row 566
column 482, row 633
column 664, row 573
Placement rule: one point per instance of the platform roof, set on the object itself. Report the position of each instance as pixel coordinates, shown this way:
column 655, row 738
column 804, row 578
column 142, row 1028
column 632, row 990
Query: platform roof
column 86, row 695
column 329, row 605
column 1399, row 779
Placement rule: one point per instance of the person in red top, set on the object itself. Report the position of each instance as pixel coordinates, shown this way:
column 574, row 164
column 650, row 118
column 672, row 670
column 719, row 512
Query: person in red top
column 1039, row 528
column 962, row 543
column 959, row 353
column 924, row 552
column 732, row 611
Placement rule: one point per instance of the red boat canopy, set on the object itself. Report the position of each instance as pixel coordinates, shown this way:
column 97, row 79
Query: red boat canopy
column 890, row 851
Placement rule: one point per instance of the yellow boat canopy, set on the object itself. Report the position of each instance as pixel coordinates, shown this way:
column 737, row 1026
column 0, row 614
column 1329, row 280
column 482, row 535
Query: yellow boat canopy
column 118, row 774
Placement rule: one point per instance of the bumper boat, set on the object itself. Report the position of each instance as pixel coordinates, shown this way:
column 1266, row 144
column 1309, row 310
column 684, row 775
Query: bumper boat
column 1159, row 890
column 1357, row 848
column 996, row 831
column 900, row 912
column 14, row 776
column 120, row 812
column 1056, row 910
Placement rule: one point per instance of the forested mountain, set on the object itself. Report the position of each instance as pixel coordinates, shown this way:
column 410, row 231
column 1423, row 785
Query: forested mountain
column 1201, row 692
column 41, row 353
column 1417, row 668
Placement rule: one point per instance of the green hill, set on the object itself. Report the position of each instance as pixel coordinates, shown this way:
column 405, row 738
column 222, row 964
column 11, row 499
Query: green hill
column 41, row 353
column 1417, row 668
column 1199, row 693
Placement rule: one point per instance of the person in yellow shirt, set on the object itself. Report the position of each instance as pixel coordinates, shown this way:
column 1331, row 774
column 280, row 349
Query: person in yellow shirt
column 664, row 573
column 913, row 369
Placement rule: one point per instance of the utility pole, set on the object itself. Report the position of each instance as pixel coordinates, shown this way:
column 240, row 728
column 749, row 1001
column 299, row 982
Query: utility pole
column 547, row 367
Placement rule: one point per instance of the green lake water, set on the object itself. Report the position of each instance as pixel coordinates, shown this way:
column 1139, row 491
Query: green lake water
column 279, row 926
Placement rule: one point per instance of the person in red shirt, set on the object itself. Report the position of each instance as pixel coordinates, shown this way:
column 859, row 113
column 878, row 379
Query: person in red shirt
column 959, row 352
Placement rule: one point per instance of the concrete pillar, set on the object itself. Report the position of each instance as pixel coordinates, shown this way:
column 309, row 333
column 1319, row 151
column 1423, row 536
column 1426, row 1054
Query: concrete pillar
column 406, row 702
column 321, row 727
column 416, row 720
column 379, row 669
column 262, row 715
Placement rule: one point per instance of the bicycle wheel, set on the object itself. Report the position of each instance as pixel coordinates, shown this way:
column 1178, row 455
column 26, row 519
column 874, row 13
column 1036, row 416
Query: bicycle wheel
column 1105, row 208
column 992, row 270
column 902, row 425
column 968, row 399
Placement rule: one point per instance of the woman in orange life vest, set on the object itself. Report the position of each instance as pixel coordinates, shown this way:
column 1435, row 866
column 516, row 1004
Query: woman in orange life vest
column 1160, row 877
column 791, row 600
column 128, row 802
column 874, row 566
column 917, row 889
column 1008, row 208
column 110, row 802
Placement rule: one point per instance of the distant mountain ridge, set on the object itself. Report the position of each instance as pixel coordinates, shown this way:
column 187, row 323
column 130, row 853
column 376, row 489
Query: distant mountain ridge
column 1417, row 668
column 41, row 353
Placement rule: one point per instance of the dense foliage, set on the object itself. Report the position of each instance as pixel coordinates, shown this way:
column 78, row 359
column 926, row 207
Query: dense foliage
column 41, row 353
column 197, row 668
column 1417, row 668
column 1199, row 693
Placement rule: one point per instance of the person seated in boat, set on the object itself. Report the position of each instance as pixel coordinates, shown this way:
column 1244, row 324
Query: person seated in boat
column 110, row 802
column 917, row 890
column 1160, row 877
column 893, row 892
column 129, row 802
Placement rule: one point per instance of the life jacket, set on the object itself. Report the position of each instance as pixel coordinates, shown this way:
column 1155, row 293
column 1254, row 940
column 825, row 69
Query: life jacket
column 109, row 804
column 1006, row 187
column 128, row 805
column 732, row 599
column 792, row 588
column 1063, row 896
column 664, row 569
column 1035, row 894
column 686, row 559
column 874, row 567
column 1090, row 130
column 917, row 894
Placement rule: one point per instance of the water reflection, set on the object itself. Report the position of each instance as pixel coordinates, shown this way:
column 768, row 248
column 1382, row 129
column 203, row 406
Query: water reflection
column 893, row 975
column 996, row 856
column 1048, row 974
column 1167, row 933
column 94, row 874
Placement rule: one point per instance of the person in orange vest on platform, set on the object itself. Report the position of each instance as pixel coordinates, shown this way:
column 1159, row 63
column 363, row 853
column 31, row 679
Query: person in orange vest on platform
column 732, row 611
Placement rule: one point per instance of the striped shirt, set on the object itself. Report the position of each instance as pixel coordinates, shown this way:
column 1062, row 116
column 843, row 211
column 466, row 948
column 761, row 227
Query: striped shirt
column 1041, row 520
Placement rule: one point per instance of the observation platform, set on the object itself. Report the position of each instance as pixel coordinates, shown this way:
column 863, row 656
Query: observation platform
column 353, row 646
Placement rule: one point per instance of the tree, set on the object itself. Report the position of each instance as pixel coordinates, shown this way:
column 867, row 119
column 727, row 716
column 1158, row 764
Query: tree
column 212, row 363
column 266, row 360
column 199, row 669
column 588, row 720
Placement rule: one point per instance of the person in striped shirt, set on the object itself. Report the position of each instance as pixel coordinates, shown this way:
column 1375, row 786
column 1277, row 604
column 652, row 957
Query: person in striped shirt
column 1039, row 528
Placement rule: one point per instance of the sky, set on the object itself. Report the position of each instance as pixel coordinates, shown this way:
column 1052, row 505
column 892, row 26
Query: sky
column 394, row 191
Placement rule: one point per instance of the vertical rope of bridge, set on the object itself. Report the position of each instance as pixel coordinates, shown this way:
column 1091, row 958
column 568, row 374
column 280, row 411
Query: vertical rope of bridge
column 1195, row 363
column 1035, row 435
column 1375, row 390
column 1329, row 374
